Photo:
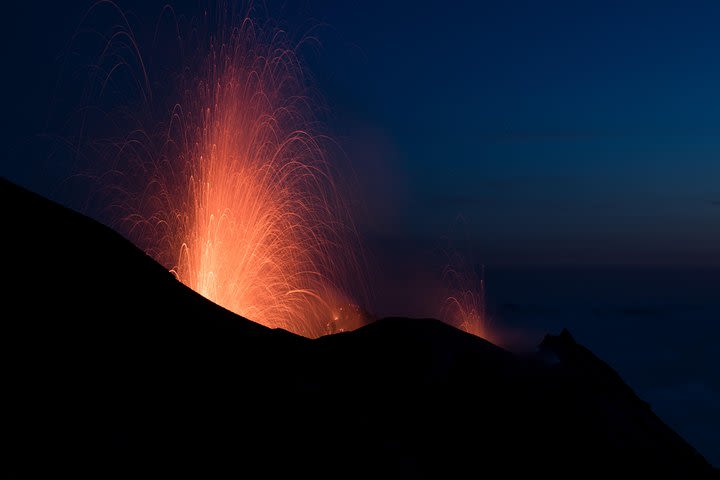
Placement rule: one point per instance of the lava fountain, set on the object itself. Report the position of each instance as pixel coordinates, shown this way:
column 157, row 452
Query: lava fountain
column 464, row 305
column 258, row 222
column 235, row 192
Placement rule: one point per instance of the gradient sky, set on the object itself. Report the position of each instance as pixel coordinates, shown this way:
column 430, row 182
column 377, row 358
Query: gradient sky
column 546, row 132
column 561, row 132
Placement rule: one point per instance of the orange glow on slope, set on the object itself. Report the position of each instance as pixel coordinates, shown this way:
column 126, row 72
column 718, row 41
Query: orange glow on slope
column 464, row 307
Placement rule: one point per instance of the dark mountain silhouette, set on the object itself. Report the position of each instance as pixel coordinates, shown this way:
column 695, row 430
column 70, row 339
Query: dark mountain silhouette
column 116, row 370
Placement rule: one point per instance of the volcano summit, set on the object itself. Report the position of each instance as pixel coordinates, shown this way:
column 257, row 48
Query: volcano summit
column 115, row 369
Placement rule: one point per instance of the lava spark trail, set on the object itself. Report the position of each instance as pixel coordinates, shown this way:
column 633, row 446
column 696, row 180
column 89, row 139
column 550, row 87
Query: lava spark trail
column 233, row 190
column 257, row 222
column 464, row 306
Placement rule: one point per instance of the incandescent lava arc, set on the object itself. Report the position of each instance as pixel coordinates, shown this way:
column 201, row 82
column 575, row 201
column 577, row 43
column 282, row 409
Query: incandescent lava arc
column 242, row 202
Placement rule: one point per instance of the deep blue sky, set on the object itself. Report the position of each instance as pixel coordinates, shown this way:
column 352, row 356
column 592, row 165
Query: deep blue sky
column 562, row 132
column 581, row 133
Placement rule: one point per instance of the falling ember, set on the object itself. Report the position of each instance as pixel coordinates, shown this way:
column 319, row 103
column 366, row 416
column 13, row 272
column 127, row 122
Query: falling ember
column 464, row 306
column 209, row 157
column 238, row 197
column 257, row 221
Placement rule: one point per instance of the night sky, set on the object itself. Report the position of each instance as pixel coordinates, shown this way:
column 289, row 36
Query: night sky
column 581, row 135
column 562, row 132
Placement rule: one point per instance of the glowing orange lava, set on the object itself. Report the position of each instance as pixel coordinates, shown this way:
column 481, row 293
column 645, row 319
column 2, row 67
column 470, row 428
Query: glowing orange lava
column 258, row 223
column 209, row 152
column 233, row 190
column 464, row 307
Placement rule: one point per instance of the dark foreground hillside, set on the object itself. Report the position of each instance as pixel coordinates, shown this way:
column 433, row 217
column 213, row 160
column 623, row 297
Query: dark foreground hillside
column 113, row 369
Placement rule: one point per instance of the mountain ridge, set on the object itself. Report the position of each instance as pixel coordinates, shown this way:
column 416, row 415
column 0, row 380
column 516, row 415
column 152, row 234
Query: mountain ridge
column 116, row 369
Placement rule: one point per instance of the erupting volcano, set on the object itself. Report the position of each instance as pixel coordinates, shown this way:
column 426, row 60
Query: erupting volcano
column 241, row 203
column 219, row 167
column 255, row 218
column 172, row 306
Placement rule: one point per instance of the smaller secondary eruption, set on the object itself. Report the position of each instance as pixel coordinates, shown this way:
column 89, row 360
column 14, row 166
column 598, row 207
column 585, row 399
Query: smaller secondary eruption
column 464, row 307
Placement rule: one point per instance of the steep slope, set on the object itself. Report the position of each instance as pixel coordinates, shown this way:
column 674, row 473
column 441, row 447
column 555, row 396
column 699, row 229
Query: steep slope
column 114, row 370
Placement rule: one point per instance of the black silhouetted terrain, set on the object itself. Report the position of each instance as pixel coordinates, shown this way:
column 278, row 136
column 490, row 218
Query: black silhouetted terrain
column 113, row 369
